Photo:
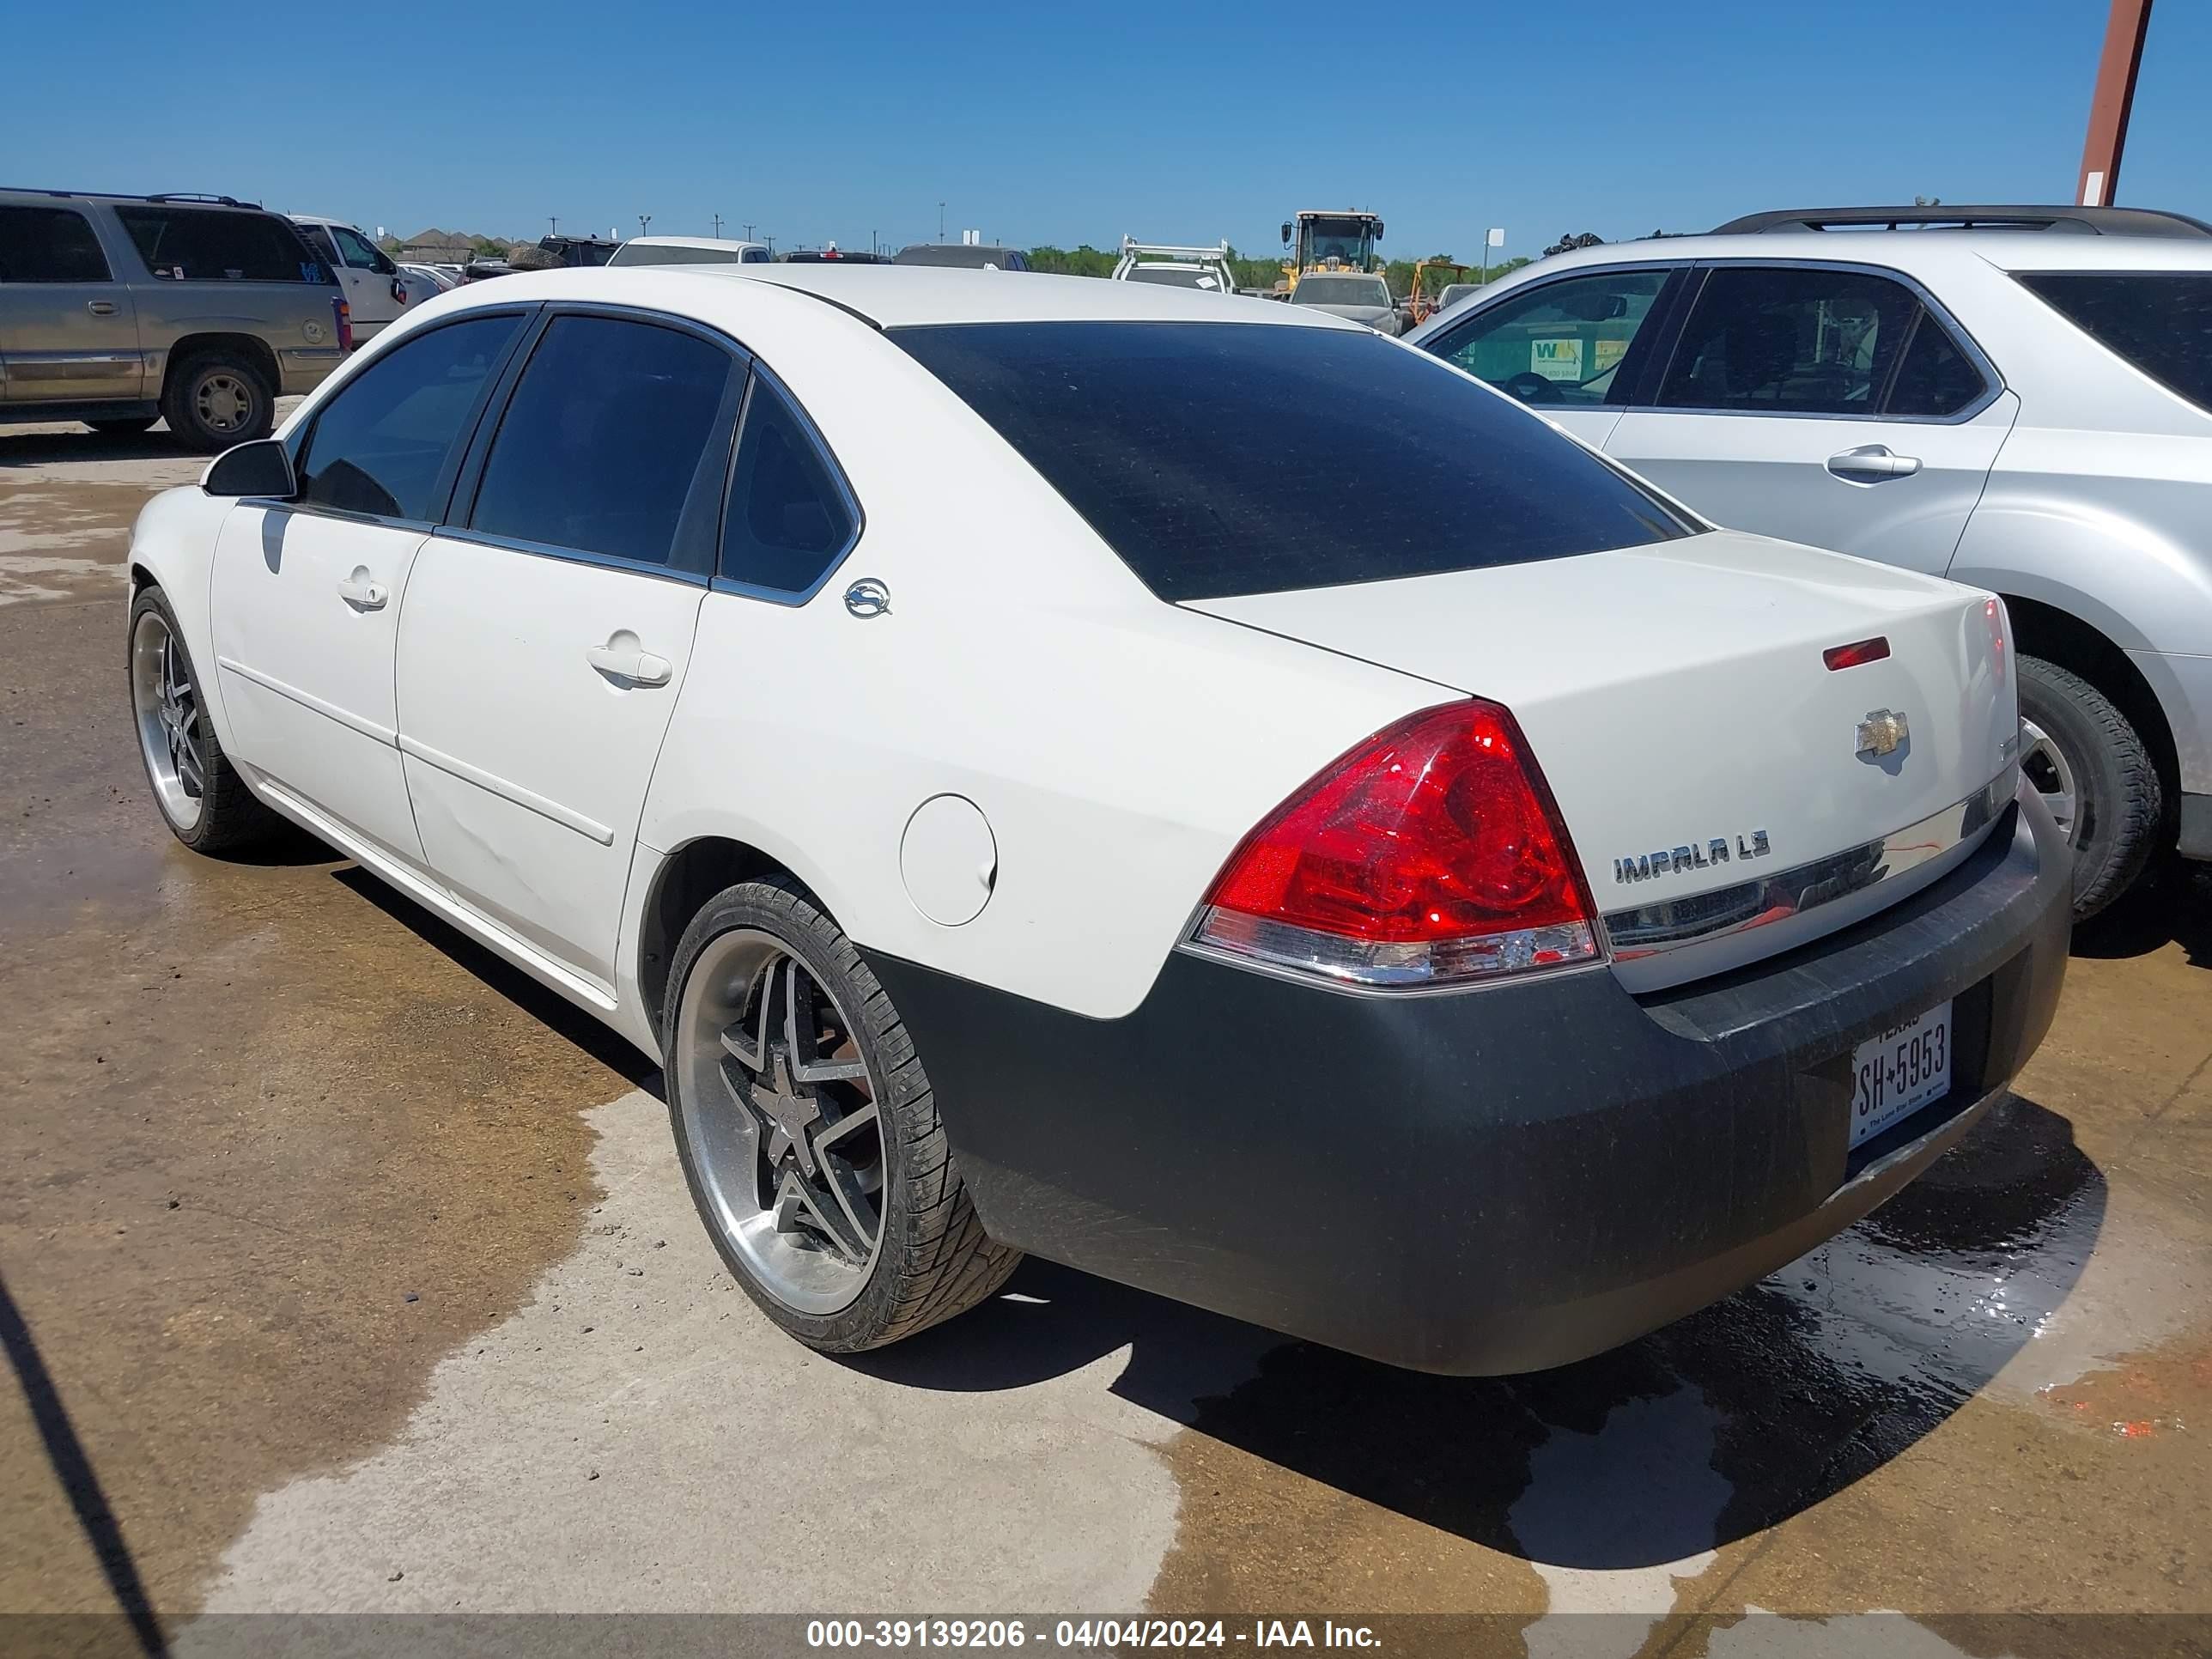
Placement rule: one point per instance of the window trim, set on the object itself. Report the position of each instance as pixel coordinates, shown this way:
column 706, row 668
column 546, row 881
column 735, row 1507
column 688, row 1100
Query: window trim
column 457, row 458
column 789, row 598
column 1993, row 385
column 468, row 480
column 1650, row 336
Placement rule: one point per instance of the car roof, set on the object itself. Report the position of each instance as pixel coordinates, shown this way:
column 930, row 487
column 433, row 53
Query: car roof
column 320, row 219
column 1904, row 249
column 888, row 296
column 689, row 241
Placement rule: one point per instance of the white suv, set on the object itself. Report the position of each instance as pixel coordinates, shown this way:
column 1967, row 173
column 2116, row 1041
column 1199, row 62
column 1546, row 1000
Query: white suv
column 2020, row 398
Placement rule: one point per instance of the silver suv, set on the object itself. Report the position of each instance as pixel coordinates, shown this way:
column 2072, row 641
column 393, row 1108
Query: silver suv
column 2018, row 397
column 121, row 310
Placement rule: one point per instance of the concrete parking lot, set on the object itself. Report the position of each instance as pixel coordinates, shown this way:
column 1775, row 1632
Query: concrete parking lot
column 345, row 1269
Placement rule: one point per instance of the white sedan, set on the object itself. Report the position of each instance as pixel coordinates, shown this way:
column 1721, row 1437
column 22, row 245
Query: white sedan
column 1374, row 868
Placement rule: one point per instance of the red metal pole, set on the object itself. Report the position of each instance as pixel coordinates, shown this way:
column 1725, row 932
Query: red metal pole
column 2114, row 100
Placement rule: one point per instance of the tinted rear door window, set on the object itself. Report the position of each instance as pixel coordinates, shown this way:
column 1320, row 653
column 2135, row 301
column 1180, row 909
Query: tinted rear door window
column 49, row 244
column 217, row 244
column 1221, row 458
column 380, row 445
column 606, row 440
column 2158, row 320
column 1793, row 340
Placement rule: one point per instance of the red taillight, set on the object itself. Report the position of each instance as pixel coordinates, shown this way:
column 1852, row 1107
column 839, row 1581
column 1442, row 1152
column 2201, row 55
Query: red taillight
column 1433, row 852
column 344, row 313
column 1859, row 651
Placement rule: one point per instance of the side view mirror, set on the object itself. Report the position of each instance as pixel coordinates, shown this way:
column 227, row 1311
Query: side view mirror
column 261, row 468
column 1378, row 230
column 1286, row 234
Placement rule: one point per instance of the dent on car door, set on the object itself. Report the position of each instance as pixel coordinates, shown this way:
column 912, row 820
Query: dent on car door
column 547, row 632
column 1828, row 404
column 1566, row 348
column 307, row 592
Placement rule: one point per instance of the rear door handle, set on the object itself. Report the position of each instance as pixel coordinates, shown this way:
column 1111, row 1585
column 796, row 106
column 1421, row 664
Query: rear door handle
column 1872, row 464
column 101, row 308
column 626, row 662
column 363, row 595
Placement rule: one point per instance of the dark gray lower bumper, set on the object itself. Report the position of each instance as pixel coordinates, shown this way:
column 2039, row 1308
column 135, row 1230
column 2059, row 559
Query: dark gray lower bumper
column 1498, row 1180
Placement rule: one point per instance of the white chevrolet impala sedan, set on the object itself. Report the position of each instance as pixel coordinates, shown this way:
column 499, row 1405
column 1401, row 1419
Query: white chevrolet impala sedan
column 1187, row 787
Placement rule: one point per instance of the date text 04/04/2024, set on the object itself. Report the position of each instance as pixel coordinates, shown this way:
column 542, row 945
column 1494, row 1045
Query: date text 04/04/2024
column 1085, row 1633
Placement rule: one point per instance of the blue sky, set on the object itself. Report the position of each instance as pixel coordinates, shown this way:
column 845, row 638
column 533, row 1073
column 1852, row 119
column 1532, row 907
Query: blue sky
column 1063, row 124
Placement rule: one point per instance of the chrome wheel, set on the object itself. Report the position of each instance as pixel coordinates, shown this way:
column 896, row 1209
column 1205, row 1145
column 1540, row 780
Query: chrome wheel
column 780, row 1110
column 224, row 402
column 171, row 726
column 2050, row 775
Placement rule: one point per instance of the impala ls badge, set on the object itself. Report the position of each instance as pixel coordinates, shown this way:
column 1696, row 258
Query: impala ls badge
column 1881, row 733
column 1643, row 866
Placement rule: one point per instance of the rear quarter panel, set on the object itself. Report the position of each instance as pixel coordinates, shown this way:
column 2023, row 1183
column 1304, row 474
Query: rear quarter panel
column 1118, row 747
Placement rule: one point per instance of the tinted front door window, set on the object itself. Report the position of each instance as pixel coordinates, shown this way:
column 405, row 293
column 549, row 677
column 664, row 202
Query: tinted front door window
column 1793, row 340
column 381, row 444
column 1560, row 342
column 607, row 438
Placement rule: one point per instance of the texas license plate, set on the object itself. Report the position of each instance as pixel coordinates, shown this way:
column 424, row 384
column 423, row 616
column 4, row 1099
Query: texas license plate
column 1895, row 1074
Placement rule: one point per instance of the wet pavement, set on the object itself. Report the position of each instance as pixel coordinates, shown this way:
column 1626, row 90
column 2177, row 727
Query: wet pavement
column 343, row 1269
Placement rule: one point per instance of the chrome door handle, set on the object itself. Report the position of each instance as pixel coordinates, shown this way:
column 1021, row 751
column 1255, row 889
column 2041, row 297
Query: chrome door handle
column 101, row 308
column 1871, row 464
column 620, row 662
column 363, row 594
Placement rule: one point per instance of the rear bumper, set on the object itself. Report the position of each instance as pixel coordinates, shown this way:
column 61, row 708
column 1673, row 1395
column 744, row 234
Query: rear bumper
column 1490, row 1181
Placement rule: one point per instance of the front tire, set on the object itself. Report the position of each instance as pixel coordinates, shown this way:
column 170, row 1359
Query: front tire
column 199, row 792
column 2091, row 767
column 213, row 401
column 808, row 1131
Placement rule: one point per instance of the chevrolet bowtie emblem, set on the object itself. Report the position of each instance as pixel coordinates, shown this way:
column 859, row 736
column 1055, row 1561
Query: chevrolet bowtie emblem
column 1881, row 733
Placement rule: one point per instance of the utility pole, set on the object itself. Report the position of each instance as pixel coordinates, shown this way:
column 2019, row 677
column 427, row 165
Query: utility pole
column 749, row 230
column 556, row 222
column 2112, row 102
column 718, row 227
column 643, row 220
column 940, row 221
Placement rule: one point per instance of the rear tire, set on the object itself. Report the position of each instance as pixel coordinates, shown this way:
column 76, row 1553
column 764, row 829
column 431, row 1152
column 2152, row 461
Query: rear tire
column 878, row 1239
column 2091, row 766
column 213, row 401
column 197, row 790
column 127, row 426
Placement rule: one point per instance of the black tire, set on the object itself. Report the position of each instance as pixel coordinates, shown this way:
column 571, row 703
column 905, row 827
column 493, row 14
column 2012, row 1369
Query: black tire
column 235, row 378
column 126, row 426
column 230, row 817
column 936, row 1260
column 2119, row 802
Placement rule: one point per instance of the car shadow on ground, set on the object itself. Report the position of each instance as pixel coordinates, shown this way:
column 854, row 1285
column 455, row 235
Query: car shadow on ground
column 604, row 1045
column 1714, row 1428
column 2171, row 905
column 43, row 448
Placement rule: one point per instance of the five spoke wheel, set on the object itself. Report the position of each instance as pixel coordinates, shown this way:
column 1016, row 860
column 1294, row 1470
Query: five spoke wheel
column 782, row 1112
column 2051, row 775
column 171, row 727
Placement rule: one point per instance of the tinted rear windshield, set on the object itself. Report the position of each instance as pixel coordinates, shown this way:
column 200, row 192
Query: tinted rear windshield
column 1221, row 458
column 220, row 245
column 2158, row 320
